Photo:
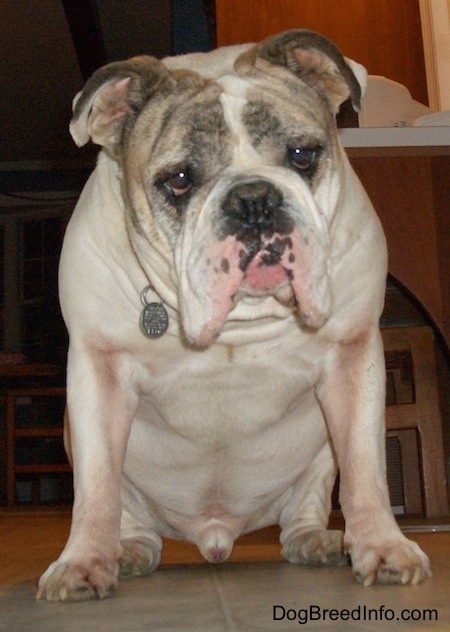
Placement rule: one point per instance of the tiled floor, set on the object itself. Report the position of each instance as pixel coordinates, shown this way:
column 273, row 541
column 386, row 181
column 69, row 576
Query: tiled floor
column 238, row 596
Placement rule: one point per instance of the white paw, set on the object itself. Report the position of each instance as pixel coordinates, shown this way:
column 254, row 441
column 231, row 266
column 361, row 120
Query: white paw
column 398, row 562
column 78, row 581
column 140, row 556
column 316, row 548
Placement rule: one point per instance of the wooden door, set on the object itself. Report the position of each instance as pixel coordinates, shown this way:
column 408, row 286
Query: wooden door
column 384, row 35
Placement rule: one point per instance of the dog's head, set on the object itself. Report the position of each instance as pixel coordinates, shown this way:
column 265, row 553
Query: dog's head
column 231, row 176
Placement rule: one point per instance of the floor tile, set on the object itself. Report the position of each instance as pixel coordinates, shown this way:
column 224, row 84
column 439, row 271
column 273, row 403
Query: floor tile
column 238, row 596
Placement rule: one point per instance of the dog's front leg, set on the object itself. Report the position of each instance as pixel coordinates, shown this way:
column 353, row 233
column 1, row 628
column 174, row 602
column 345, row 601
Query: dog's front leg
column 352, row 395
column 101, row 403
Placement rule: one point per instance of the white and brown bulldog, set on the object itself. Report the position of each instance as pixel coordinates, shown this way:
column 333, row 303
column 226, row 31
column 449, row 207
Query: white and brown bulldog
column 222, row 279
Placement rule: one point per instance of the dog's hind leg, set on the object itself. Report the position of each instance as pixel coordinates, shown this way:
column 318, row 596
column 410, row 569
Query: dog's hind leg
column 141, row 547
column 304, row 537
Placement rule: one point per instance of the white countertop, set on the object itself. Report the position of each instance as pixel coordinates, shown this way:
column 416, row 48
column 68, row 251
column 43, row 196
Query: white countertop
column 373, row 141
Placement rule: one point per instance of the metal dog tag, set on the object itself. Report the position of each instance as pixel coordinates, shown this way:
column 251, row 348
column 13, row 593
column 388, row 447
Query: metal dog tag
column 154, row 317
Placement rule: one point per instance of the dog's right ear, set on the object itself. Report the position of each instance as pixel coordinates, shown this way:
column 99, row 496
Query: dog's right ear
column 315, row 60
column 113, row 97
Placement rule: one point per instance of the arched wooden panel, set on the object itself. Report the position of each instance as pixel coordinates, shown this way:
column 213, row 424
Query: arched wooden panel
column 411, row 196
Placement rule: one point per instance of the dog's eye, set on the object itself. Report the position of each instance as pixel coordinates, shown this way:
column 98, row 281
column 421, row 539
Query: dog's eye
column 179, row 183
column 303, row 158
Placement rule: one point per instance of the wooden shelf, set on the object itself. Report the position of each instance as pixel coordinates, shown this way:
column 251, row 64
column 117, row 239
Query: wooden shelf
column 29, row 370
column 38, row 432
column 43, row 468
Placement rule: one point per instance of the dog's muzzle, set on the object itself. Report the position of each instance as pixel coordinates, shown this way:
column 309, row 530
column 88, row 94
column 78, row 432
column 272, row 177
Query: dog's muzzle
column 258, row 251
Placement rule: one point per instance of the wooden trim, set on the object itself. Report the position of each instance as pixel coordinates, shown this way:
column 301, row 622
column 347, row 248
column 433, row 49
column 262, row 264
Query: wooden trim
column 429, row 49
column 435, row 18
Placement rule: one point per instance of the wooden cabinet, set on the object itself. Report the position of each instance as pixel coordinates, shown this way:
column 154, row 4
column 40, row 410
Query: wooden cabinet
column 35, row 451
column 406, row 172
column 414, row 423
column 386, row 37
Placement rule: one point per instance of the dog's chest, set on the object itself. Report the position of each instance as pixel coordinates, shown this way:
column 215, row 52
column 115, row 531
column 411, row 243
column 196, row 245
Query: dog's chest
column 211, row 422
column 228, row 385
column 204, row 404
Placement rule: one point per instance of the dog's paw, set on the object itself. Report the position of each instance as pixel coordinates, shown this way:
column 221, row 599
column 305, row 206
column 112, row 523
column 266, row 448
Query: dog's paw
column 400, row 562
column 140, row 556
column 77, row 582
column 316, row 548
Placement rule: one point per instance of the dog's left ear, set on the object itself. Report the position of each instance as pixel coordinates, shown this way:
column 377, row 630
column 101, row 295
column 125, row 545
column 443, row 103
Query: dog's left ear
column 318, row 62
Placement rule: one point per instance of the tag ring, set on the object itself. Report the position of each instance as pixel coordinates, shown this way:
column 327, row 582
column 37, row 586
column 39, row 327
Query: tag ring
column 144, row 293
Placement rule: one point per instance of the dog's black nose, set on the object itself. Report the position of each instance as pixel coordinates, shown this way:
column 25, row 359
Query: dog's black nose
column 253, row 209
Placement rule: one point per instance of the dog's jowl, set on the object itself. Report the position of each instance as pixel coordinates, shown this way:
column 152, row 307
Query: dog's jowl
column 223, row 202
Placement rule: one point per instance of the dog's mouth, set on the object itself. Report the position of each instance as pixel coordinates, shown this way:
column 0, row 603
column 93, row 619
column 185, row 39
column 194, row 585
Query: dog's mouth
column 265, row 272
column 281, row 269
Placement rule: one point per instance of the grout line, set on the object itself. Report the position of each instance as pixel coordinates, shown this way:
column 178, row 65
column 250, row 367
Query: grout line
column 226, row 610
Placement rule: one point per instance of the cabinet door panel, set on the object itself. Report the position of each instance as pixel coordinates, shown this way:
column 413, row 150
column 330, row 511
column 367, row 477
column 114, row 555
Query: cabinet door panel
column 384, row 36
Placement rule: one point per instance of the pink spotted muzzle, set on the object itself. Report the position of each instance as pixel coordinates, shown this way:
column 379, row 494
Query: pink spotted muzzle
column 259, row 249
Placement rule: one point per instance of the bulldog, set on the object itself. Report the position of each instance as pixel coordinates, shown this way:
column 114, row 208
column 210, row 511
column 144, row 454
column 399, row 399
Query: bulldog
column 222, row 279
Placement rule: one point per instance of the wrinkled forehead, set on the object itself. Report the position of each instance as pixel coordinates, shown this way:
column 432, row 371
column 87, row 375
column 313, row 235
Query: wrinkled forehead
column 250, row 102
column 231, row 115
column 268, row 109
